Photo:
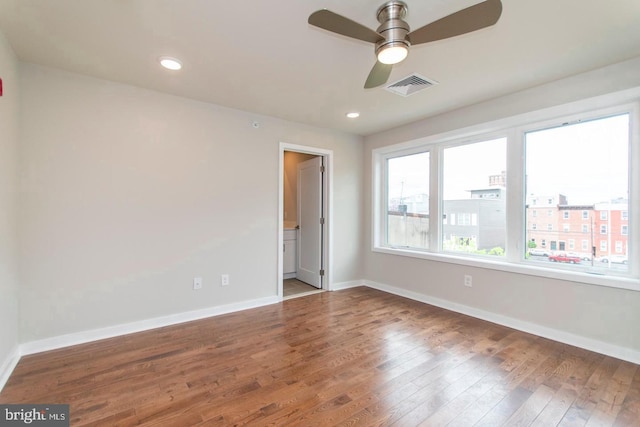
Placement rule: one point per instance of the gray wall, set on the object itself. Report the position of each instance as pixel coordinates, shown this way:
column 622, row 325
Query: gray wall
column 129, row 194
column 603, row 314
column 9, row 111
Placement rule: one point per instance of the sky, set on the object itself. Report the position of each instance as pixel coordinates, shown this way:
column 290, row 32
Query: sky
column 586, row 161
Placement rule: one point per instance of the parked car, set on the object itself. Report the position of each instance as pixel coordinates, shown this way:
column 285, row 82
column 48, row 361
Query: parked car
column 564, row 257
column 538, row 252
column 582, row 255
column 614, row 259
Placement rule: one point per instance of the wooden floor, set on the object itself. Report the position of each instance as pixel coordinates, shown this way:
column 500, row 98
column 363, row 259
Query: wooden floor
column 351, row 357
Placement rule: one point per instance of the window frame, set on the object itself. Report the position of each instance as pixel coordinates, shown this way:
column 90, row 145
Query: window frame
column 515, row 129
column 382, row 173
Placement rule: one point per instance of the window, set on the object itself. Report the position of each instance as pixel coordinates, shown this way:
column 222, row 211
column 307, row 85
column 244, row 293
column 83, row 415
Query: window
column 439, row 196
column 470, row 188
column 618, row 247
column 567, row 161
column 464, row 219
column 624, row 215
column 407, row 220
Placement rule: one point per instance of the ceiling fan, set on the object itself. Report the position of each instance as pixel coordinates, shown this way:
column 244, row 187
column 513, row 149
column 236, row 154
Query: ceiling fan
column 393, row 37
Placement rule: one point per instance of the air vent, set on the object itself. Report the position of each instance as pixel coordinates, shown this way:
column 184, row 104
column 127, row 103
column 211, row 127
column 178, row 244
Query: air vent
column 410, row 85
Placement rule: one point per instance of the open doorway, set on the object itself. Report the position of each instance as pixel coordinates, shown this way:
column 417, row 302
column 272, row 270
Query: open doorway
column 304, row 214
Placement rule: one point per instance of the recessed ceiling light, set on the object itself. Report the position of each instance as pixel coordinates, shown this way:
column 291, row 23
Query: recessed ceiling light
column 353, row 115
column 170, row 63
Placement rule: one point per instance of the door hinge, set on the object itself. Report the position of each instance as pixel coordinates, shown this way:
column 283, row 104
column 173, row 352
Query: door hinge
column 322, row 272
column 321, row 221
column 321, row 169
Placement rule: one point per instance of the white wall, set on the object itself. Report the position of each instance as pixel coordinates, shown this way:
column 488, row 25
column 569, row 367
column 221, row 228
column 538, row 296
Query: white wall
column 9, row 111
column 590, row 313
column 129, row 194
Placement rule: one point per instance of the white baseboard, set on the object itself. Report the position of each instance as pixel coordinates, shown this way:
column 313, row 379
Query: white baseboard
column 143, row 325
column 347, row 285
column 8, row 365
column 586, row 343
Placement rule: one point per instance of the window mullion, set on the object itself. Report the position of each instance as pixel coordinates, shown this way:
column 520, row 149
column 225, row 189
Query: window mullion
column 633, row 214
column 515, row 239
column 435, row 205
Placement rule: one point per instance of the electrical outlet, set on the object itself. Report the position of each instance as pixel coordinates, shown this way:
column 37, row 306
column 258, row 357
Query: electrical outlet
column 224, row 280
column 468, row 281
column 197, row 283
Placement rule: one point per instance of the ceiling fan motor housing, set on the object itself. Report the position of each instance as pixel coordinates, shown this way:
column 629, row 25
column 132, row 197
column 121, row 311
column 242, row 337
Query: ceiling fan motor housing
column 392, row 27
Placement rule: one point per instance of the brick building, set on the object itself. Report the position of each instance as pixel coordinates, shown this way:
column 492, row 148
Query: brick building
column 555, row 225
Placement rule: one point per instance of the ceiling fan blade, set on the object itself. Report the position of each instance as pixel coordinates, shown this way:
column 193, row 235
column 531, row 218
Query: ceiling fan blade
column 464, row 21
column 328, row 20
column 379, row 75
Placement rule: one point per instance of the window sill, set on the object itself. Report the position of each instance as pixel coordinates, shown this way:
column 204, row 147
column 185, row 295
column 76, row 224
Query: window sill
column 626, row 282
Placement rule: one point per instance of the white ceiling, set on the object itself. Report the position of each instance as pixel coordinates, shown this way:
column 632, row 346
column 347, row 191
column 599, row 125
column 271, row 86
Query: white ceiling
column 262, row 56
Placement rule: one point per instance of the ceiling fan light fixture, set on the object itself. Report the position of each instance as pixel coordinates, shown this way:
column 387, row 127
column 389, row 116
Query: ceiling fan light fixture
column 393, row 53
column 393, row 37
column 170, row 63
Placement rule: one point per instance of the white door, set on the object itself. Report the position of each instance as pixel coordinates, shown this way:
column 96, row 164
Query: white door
column 310, row 221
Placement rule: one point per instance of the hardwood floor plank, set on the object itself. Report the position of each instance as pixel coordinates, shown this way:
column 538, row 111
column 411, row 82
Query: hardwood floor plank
column 630, row 411
column 500, row 413
column 357, row 357
column 555, row 410
column 611, row 400
column 527, row 413
column 588, row 396
column 478, row 384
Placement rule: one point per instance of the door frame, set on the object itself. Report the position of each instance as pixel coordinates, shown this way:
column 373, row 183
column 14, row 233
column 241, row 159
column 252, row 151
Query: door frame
column 327, row 253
